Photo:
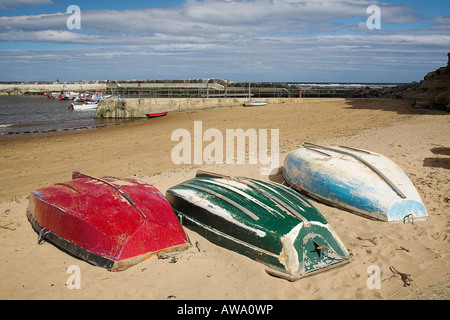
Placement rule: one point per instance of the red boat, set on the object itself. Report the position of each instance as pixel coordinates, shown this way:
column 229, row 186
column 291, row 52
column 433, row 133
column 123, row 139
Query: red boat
column 109, row 222
column 155, row 115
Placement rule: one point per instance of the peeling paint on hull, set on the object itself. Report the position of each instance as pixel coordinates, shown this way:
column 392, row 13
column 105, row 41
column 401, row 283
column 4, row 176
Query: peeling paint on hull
column 282, row 230
column 109, row 222
column 356, row 180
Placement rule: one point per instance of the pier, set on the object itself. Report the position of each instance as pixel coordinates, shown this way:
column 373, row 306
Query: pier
column 193, row 88
column 140, row 107
column 136, row 98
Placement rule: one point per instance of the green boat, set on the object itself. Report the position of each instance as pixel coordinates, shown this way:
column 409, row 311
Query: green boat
column 264, row 221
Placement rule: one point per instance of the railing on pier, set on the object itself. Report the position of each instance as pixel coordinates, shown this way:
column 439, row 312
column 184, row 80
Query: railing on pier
column 139, row 92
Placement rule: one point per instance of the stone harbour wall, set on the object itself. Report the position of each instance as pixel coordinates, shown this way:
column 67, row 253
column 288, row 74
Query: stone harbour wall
column 140, row 107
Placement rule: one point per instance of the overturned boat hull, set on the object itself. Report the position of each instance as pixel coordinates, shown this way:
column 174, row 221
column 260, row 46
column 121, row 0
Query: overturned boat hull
column 157, row 114
column 109, row 222
column 360, row 181
column 255, row 103
column 264, row 221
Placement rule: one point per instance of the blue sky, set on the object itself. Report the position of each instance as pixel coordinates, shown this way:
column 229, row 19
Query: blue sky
column 239, row 40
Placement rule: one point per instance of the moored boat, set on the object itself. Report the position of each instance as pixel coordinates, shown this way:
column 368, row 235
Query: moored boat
column 255, row 103
column 68, row 95
column 109, row 222
column 360, row 181
column 265, row 221
column 52, row 95
column 86, row 105
column 157, row 114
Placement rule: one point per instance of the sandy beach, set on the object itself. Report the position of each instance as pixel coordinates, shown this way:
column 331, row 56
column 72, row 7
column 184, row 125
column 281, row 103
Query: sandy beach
column 416, row 139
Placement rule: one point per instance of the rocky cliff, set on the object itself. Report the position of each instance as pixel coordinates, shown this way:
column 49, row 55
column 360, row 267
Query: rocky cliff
column 433, row 91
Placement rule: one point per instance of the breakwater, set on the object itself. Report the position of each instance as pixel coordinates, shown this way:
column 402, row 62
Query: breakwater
column 140, row 107
column 194, row 88
column 39, row 88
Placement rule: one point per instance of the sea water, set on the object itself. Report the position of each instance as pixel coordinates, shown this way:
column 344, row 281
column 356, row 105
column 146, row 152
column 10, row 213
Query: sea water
column 31, row 114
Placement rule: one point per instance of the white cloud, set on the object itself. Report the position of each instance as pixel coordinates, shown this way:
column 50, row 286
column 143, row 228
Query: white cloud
column 55, row 21
column 441, row 24
column 8, row 4
column 221, row 17
column 279, row 39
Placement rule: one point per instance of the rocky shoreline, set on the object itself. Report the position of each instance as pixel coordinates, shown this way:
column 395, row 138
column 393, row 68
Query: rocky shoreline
column 433, row 92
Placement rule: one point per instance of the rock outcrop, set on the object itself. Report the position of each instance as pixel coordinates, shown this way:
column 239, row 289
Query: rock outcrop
column 385, row 92
column 433, row 91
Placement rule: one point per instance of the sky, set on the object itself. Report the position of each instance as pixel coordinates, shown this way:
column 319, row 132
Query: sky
column 240, row 40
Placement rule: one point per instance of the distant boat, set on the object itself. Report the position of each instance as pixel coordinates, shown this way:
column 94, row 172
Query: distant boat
column 255, row 103
column 96, row 96
column 356, row 180
column 109, row 222
column 92, row 96
column 81, row 104
column 52, row 95
column 156, row 115
column 68, row 95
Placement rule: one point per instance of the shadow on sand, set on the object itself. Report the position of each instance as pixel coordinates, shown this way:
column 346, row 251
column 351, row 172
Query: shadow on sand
column 400, row 106
column 438, row 162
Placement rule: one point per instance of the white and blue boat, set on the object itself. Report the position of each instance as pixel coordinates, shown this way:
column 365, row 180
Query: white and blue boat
column 356, row 180
column 255, row 103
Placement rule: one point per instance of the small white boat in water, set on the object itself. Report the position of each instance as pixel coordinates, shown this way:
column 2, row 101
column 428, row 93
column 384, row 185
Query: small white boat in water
column 255, row 103
column 83, row 106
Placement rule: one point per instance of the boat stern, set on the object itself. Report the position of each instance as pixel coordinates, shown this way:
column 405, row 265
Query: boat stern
column 406, row 210
column 307, row 251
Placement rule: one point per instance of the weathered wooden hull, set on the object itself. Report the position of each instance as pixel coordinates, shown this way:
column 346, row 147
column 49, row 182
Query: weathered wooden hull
column 109, row 222
column 265, row 221
column 356, row 180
